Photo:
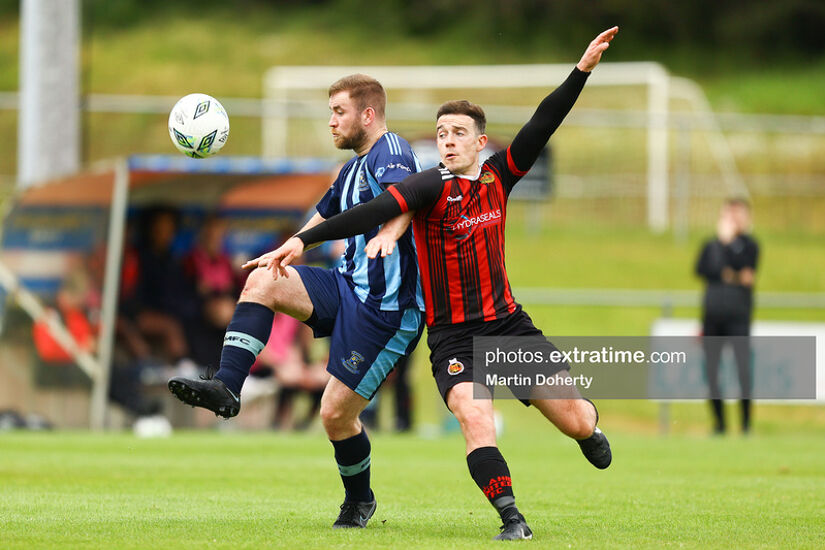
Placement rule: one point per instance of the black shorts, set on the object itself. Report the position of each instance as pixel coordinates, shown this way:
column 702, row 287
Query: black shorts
column 451, row 347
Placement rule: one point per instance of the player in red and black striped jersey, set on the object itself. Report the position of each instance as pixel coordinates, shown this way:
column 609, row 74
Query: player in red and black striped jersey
column 459, row 214
column 459, row 230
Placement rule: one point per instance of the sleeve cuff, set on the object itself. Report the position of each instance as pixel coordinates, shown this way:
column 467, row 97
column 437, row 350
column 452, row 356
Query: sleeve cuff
column 399, row 198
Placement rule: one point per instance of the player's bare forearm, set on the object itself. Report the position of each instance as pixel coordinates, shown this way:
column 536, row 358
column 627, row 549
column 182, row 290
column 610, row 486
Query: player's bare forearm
column 397, row 226
column 384, row 241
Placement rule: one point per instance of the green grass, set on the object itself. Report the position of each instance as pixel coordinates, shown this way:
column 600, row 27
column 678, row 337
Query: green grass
column 594, row 251
column 213, row 490
column 259, row 490
column 765, row 90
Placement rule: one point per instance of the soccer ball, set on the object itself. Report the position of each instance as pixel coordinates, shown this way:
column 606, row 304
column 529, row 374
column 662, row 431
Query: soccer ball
column 198, row 125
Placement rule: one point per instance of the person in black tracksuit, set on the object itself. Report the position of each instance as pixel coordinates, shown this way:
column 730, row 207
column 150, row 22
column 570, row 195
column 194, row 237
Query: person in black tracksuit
column 727, row 263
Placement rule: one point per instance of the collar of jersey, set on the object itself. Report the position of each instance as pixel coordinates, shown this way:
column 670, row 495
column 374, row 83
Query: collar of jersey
column 359, row 157
column 469, row 178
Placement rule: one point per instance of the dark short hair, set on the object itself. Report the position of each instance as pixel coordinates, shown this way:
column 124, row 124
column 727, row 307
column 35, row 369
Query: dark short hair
column 464, row 107
column 364, row 90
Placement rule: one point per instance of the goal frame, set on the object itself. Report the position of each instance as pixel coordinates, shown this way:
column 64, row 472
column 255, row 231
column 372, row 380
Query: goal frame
column 280, row 82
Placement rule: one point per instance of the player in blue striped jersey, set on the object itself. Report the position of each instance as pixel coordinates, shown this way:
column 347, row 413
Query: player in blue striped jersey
column 388, row 286
column 371, row 308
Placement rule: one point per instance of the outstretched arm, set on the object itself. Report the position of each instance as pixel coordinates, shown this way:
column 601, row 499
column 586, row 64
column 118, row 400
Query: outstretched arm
column 354, row 221
column 550, row 113
column 413, row 193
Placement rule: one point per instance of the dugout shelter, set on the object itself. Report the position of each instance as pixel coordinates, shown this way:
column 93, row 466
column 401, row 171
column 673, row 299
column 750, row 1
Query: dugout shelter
column 80, row 222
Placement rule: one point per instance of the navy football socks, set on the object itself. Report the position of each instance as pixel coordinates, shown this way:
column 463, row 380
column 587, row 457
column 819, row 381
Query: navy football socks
column 353, row 458
column 245, row 337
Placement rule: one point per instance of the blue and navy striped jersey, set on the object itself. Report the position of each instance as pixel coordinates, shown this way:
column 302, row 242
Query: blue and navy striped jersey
column 391, row 283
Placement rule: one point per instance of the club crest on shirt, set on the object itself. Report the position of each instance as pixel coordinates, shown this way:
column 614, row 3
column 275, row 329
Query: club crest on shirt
column 455, row 367
column 362, row 182
column 487, row 178
column 352, row 363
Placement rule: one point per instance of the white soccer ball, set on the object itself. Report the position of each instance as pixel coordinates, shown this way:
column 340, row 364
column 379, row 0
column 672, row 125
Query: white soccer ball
column 198, row 125
column 152, row 426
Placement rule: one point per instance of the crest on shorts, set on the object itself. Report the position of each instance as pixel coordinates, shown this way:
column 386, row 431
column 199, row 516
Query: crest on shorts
column 455, row 367
column 487, row 177
column 352, row 363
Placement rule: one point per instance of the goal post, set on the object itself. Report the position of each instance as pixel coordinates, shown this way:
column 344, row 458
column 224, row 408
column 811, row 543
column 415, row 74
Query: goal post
column 289, row 94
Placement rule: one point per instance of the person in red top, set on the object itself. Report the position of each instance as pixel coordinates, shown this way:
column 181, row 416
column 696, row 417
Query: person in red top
column 70, row 311
column 459, row 213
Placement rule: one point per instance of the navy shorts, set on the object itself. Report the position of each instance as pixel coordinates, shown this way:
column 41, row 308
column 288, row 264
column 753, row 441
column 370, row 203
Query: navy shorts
column 366, row 342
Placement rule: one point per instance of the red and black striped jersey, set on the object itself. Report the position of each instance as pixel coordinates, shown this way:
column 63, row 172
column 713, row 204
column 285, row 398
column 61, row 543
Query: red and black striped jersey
column 459, row 221
column 459, row 237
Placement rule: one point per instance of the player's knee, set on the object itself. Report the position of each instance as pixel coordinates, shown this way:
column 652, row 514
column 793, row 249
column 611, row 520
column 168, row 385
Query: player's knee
column 259, row 287
column 582, row 429
column 581, row 426
column 475, row 422
column 329, row 415
column 334, row 419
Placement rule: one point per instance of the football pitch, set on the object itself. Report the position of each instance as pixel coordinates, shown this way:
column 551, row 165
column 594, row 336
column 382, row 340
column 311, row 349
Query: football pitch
column 268, row 490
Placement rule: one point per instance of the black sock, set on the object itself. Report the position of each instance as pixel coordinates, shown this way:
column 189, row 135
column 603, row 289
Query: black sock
column 718, row 415
column 353, row 458
column 245, row 337
column 490, row 472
